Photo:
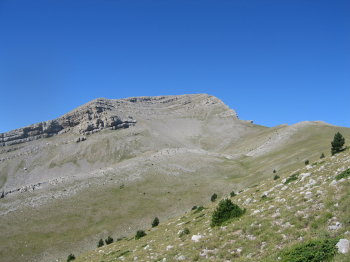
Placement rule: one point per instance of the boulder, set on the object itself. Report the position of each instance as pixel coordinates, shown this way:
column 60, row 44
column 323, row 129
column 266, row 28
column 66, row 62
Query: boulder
column 343, row 246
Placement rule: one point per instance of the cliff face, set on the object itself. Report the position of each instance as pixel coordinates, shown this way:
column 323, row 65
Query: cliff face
column 93, row 117
column 113, row 114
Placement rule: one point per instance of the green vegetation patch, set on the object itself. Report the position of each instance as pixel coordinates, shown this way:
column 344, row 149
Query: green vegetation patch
column 139, row 234
column 311, row 251
column 199, row 209
column 226, row 210
column 344, row 174
column 292, row 178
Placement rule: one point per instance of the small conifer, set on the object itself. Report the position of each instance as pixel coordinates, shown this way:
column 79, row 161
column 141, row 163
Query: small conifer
column 337, row 143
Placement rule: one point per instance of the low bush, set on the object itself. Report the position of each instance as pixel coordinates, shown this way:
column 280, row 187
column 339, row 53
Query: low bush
column 213, row 197
column 322, row 156
column 194, row 208
column 155, row 222
column 344, row 174
column 307, row 162
column 226, row 210
column 139, row 234
column 100, row 243
column 186, row 231
column 232, row 194
column 311, row 251
column 71, row 257
column 292, row 178
column 109, row 240
column 276, row 177
column 199, row 209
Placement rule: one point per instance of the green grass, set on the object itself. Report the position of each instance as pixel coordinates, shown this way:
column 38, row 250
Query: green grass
column 319, row 250
column 298, row 233
column 109, row 210
column 291, row 178
column 344, row 174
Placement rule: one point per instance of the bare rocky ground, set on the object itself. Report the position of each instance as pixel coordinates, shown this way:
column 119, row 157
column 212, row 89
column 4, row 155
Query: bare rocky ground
column 110, row 166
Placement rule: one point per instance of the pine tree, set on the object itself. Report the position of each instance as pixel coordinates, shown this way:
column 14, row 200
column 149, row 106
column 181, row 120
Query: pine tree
column 322, row 156
column 213, row 197
column 337, row 143
column 155, row 222
column 100, row 243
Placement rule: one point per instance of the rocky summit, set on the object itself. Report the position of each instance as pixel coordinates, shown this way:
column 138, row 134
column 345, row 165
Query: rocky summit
column 109, row 167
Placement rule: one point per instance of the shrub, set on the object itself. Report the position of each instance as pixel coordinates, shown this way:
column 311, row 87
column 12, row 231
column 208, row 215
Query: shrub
column 155, row 222
column 292, row 178
column 194, row 208
column 199, row 209
column 274, row 171
column 100, row 243
column 232, row 194
column 139, row 234
column 276, row 177
column 307, row 162
column 322, row 156
column 337, row 143
column 109, row 240
column 213, row 197
column 71, row 257
column 344, row 174
column 225, row 211
column 186, row 231
column 311, row 251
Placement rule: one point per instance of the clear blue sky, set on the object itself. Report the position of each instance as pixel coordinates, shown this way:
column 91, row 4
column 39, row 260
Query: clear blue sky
column 272, row 61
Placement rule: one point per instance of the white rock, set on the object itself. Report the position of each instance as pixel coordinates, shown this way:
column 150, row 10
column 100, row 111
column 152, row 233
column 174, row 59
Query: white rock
column 336, row 226
column 311, row 183
column 181, row 258
column 308, row 194
column 333, row 183
column 343, row 246
column 196, row 238
column 304, row 175
column 247, row 201
column 256, row 212
column 284, row 188
column 169, row 247
column 251, row 237
column 205, row 252
column 277, row 214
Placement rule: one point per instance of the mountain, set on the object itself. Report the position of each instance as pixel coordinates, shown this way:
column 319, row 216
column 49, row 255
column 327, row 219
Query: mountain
column 110, row 166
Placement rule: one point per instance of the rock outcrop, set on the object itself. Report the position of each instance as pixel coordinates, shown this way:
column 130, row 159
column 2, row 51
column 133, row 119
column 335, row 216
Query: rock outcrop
column 90, row 118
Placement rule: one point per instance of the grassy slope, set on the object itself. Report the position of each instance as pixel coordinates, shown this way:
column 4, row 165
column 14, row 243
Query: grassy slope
column 287, row 216
column 99, row 211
